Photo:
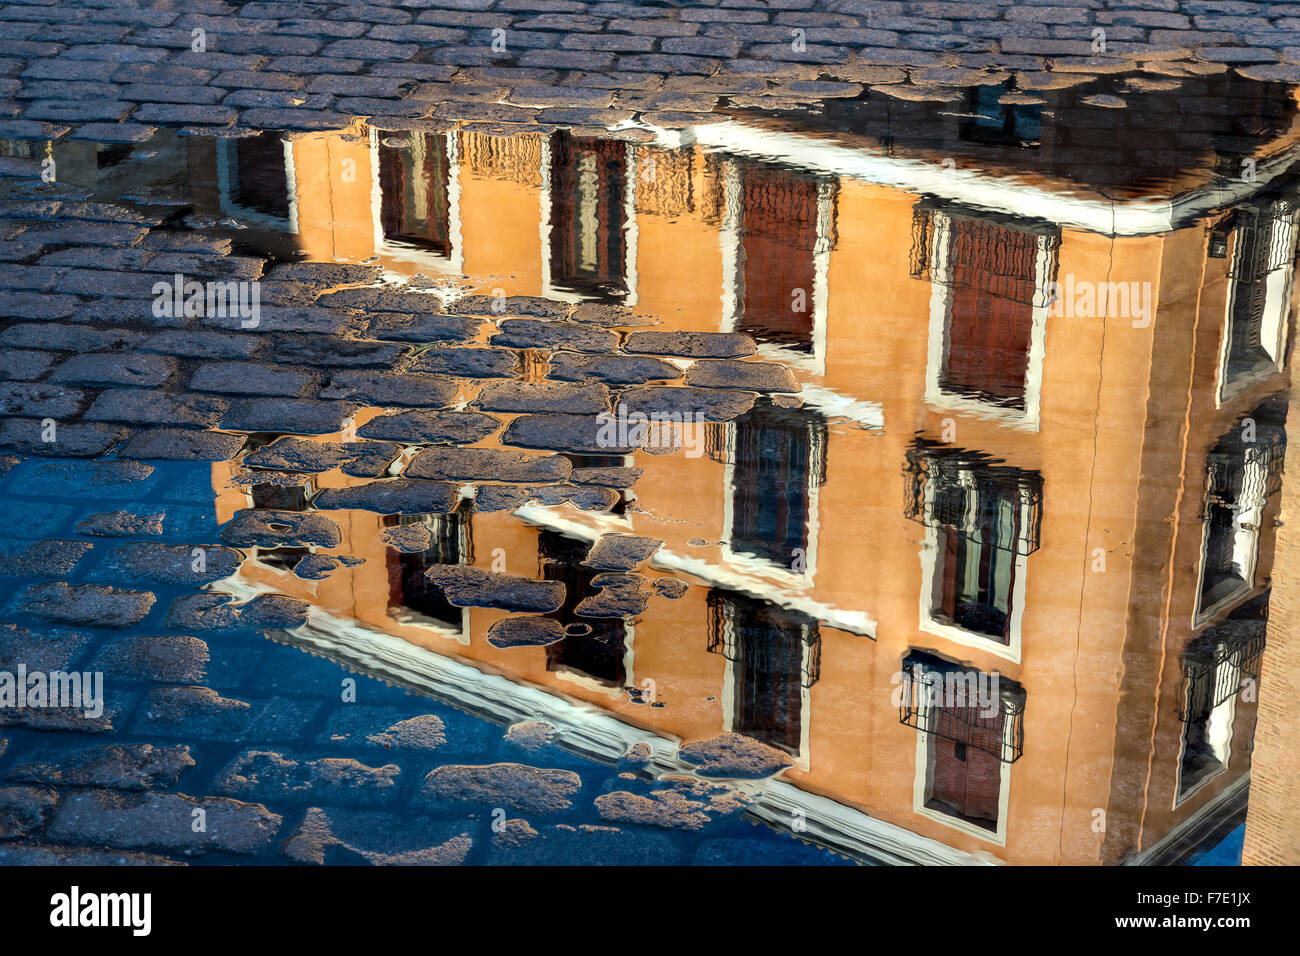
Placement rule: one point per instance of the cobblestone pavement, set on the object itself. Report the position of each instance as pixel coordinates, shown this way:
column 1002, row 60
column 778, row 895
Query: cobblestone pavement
column 123, row 67
column 111, row 415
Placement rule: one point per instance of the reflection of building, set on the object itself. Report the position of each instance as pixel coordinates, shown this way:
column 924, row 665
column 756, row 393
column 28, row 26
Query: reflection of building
column 590, row 190
column 415, row 201
column 1087, row 503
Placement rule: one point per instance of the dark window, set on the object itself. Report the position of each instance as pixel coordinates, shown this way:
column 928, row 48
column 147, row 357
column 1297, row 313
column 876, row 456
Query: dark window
column 604, row 461
column 111, row 154
column 990, row 120
column 279, row 497
column 588, row 215
column 1215, row 666
column 413, row 182
column 779, row 458
column 777, row 271
column 990, row 268
column 775, row 654
column 1224, row 571
column 257, row 178
column 592, row 646
column 986, row 515
column 1210, row 681
column 975, row 571
column 1260, row 287
column 412, row 597
column 990, row 311
column 1242, row 470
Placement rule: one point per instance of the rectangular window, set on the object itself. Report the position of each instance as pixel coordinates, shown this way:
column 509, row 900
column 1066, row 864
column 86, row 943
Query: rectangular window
column 990, row 119
column 259, row 178
column 595, row 647
column 775, row 657
column 984, row 519
column 778, row 244
column 415, row 209
column 990, row 282
column 1259, row 293
column 992, row 273
column 1215, row 667
column 972, row 728
column 412, row 598
column 976, row 570
column 964, row 782
column 1242, row 471
column 1207, row 731
column 778, row 457
column 588, row 215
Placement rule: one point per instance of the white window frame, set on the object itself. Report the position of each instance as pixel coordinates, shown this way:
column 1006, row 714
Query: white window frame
column 922, row 781
column 631, row 231
column 227, row 172
column 1222, row 721
column 439, row 628
column 940, row 307
column 1246, row 544
column 930, row 564
column 1275, row 324
column 803, row 758
column 729, row 240
column 752, row 563
column 424, row 259
column 595, row 685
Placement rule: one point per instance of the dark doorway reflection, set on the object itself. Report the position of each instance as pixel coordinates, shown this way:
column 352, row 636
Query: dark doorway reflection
column 415, row 207
column 412, row 597
column 595, row 647
column 256, row 178
column 973, row 730
column 589, row 215
column 775, row 656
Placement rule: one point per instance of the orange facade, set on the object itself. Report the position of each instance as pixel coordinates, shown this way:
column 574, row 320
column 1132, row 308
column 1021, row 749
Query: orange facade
column 1101, row 425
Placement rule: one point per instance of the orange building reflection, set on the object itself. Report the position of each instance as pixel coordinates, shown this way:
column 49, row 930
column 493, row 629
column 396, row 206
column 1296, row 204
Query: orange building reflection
column 978, row 475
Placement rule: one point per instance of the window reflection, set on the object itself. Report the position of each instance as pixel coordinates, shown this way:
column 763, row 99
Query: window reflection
column 1242, row 471
column 779, row 462
column 592, row 646
column 1259, row 294
column 990, row 277
column 588, row 215
column 775, row 657
column 777, row 271
column 412, row 598
column 415, row 208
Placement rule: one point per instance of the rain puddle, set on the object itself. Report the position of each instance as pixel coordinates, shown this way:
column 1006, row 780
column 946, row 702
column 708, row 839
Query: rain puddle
column 892, row 481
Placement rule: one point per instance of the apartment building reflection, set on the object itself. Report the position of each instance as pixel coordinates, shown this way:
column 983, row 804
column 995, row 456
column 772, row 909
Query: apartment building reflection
column 982, row 476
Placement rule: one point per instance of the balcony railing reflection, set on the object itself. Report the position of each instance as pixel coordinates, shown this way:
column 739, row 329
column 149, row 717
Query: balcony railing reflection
column 993, row 726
